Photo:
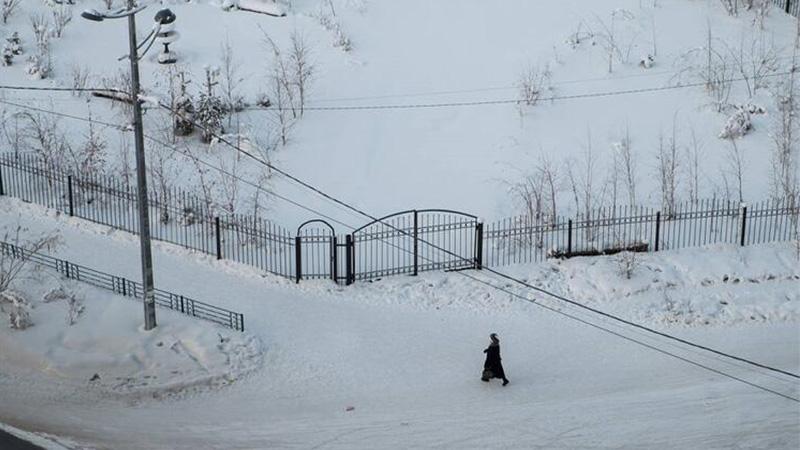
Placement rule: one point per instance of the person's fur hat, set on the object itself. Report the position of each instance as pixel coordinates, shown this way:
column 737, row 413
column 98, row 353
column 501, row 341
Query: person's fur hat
column 494, row 338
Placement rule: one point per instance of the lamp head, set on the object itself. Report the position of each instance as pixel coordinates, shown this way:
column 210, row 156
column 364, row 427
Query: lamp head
column 164, row 16
column 93, row 15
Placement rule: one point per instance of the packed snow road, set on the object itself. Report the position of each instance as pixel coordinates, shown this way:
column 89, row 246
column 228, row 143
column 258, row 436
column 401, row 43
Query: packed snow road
column 393, row 364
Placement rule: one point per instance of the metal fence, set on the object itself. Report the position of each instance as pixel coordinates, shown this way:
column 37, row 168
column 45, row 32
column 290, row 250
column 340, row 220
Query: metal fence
column 789, row 6
column 607, row 231
column 128, row 288
column 407, row 242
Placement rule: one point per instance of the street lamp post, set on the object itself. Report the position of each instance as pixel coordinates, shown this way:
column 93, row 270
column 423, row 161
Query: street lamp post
column 141, row 173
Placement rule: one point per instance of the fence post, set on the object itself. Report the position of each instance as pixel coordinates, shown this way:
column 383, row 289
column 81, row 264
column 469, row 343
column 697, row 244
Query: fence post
column 744, row 222
column 218, row 236
column 334, row 268
column 69, row 195
column 416, row 243
column 658, row 228
column 479, row 245
column 569, row 238
column 298, row 262
column 349, row 276
column 2, row 188
column 241, row 321
column 788, row 3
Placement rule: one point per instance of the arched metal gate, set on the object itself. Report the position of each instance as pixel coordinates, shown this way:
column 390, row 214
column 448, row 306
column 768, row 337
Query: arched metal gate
column 414, row 241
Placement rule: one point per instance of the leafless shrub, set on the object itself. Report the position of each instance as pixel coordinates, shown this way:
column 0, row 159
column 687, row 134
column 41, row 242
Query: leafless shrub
column 714, row 68
column 532, row 83
column 7, row 8
column 79, row 77
column 609, row 39
column 40, row 64
column 581, row 177
column 12, row 261
column 43, row 135
column 627, row 262
column 62, row 16
column 536, row 195
column 755, row 61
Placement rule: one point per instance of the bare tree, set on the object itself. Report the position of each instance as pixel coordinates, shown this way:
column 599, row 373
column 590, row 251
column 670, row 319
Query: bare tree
column 735, row 163
column 626, row 162
column 694, row 155
column 7, row 8
column 581, row 175
column 91, row 156
column 230, row 80
column 785, row 154
column 62, row 16
column 667, row 159
column 302, row 67
column 163, row 175
column 229, row 183
column 627, row 262
column 281, row 73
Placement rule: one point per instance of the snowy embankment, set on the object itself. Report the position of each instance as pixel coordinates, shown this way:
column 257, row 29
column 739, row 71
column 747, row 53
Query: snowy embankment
column 405, row 354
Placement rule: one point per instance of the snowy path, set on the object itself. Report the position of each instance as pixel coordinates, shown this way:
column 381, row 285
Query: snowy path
column 411, row 372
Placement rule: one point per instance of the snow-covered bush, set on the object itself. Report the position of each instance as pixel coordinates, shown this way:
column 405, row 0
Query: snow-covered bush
column 40, row 64
column 647, row 61
column 17, row 309
column 210, row 107
column 11, row 48
column 329, row 22
column 737, row 125
column 75, row 306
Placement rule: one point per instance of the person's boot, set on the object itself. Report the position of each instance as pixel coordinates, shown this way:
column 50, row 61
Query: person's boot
column 505, row 381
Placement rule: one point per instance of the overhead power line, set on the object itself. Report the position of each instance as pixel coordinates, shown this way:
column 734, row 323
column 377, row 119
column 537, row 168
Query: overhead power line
column 522, row 283
column 490, row 270
column 457, row 104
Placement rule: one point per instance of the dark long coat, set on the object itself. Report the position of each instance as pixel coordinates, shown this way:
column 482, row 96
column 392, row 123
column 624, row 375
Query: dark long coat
column 493, row 361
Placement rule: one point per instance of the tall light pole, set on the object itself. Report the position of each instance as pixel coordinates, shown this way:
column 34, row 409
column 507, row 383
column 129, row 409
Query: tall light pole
column 141, row 172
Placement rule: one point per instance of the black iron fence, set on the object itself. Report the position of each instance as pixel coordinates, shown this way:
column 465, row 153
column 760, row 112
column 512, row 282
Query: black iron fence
column 789, row 6
column 128, row 288
column 408, row 242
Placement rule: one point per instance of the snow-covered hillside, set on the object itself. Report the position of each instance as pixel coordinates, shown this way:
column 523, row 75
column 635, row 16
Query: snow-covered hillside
column 419, row 52
column 490, row 108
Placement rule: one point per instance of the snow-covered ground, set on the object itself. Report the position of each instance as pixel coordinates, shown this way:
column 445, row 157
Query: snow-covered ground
column 405, row 354
column 395, row 363
column 418, row 51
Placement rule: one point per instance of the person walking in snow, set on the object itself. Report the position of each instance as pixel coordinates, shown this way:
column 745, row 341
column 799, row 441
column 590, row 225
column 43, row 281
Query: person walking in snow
column 493, row 368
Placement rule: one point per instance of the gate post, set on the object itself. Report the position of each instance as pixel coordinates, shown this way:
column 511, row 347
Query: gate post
column 479, row 245
column 298, row 263
column 2, row 188
column 744, row 223
column 219, row 238
column 334, row 260
column 69, row 194
column 788, row 4
column 349, row 276
column 569, row 238
column 416, row 243
column 658, row 228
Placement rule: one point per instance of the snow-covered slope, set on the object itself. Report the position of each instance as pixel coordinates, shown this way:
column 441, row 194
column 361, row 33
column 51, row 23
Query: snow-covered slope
column 421, row 52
